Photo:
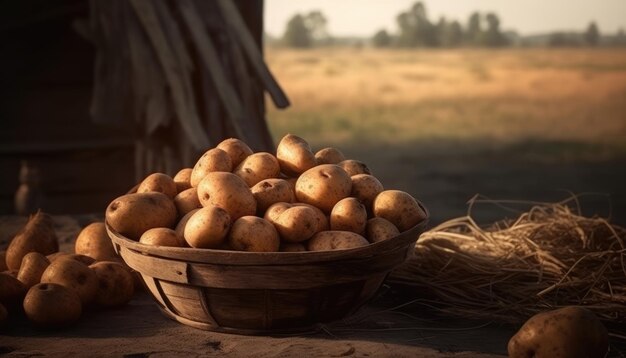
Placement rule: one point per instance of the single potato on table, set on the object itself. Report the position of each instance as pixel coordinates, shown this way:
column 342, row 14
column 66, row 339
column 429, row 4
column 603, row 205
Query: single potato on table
column 52, row 305
column 93, row 241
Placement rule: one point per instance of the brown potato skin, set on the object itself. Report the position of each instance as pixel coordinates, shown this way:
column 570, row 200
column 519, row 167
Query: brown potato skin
column 116, row 285
column 182, row 179
column 180, row 227
column 33, row 266
column 273, row 212
column 186, row 201
column 366, row 187
column 37, row 235
column 83, row 259
column 74, row 275
column 229, row 192
column 133, row 214
column 379, row 229
column 323, row 221
column 566, row 332
column 296, row 224
column 53, row 305
column 12, row 290
column 93, row 241
column 336, row 240
column 271, row 191
column 354, row 167
column 160, row 183
column 257, row 167
column 294, row 155
column 399, row 207
column 237, row 150
column 207, row 228
column 348, row 215
column 329, row 155
column 162, row 236
column 323, row 186
column 213, row 160
column 251, row 233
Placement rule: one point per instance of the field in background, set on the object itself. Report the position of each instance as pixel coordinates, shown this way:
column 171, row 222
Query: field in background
column 447, row 124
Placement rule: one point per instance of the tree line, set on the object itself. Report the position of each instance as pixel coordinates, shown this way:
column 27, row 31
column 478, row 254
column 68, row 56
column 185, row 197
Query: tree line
column 415, row 29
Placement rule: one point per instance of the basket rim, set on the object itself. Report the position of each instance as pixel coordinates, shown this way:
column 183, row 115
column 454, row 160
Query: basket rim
column 232, row 257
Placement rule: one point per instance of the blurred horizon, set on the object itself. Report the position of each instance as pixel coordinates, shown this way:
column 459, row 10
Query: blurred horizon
column 353, row 18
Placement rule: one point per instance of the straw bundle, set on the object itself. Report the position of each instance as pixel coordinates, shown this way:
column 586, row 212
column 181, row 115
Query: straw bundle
column 550, row 257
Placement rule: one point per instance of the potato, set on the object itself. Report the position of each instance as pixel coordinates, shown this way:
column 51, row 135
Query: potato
column 271, row 191
column 49, row 304
column 329, row 155
column 74, row 275
column 348, row 215
column 116, row 284
column 12, row 290
column 214, row 160
column 37, row 235
column 186, row 201
column 292, row 247
column 323, row 223
column 207, row 228
column 323, row 186
column 160, row 183
column 182, row 179
column 162, row 236
column 294, row 155
column 335, row 240
column 180, row 227
column 273, row 212
column 566, row 332
column 93, row 241
column 33, row 266
column 399, row 207
column 379, row 229
column 366, row 187
column 354, row 167
column 237, row 150
column 257, row 167
column 83, row 259
column 229, row 192
column 133, row 214
column 251, row 233
column 3, row 260
column 296, row 224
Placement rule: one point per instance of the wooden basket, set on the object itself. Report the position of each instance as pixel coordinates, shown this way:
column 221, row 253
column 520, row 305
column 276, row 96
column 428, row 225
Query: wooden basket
column 261, row 293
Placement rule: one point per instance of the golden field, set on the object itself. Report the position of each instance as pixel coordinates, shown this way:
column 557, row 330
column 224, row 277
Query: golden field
column 444, row 125
column 349, row 94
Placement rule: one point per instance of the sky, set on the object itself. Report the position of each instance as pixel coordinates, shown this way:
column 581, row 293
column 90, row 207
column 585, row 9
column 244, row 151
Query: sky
column 528, row 17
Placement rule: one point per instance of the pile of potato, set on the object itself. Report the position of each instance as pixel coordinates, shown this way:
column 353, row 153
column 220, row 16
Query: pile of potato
column 54, row 288
column 234, row 199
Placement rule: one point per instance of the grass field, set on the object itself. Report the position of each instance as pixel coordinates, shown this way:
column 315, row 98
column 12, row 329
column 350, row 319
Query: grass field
column 446, row 124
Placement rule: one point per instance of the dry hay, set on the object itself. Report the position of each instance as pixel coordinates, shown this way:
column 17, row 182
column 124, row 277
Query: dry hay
column 550, row 257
